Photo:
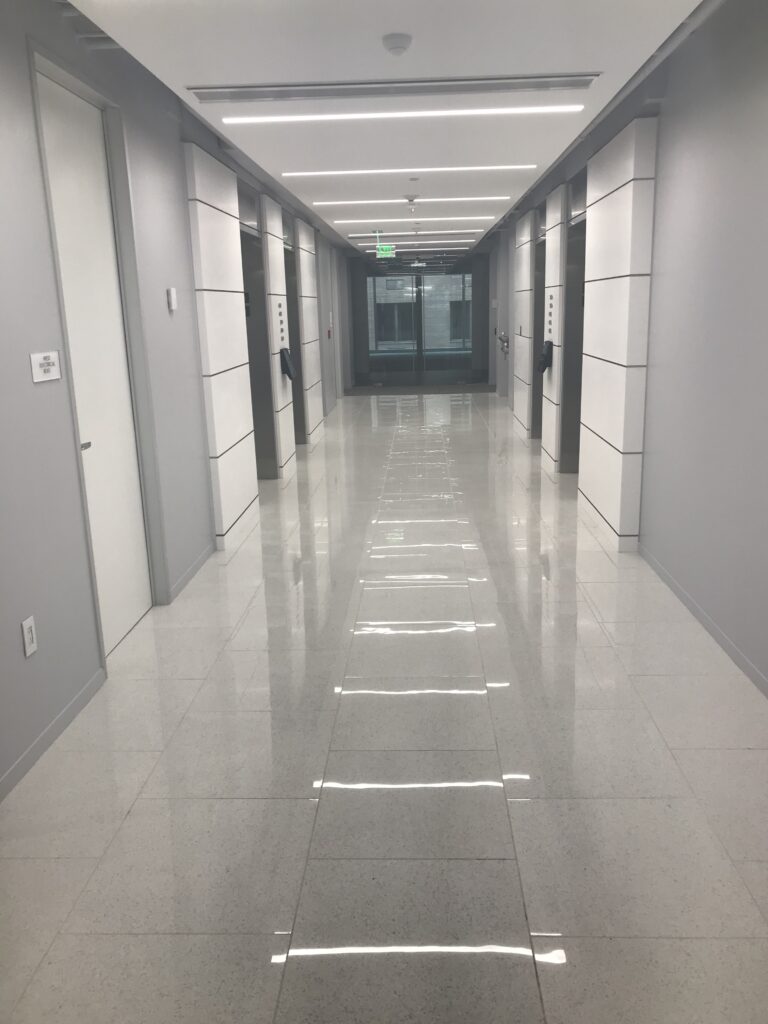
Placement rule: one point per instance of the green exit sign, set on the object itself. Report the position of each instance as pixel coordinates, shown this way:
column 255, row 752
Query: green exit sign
column 385, row 252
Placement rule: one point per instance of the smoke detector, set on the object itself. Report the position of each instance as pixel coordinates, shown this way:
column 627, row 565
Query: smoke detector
column 396, row 43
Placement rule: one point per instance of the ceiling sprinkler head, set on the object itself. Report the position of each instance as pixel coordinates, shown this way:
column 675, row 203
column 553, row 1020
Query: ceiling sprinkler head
column 396, row 43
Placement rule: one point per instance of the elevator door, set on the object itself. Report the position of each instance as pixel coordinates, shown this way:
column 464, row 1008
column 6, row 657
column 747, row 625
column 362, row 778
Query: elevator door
column 81, row 209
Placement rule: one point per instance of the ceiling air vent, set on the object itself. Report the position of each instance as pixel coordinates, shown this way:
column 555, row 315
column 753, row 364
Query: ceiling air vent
column 392, row 87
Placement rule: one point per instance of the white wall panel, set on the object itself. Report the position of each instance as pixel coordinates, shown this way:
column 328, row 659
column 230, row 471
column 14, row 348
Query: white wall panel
column 616, row 315
column 553, row 263
column 524, row 229
column 550, row 429
column 620, row 232
column 522, row 401
column 611, row 482
column 272, row 217
column 235, row 483
column 210, row 181
column 557, row 207
column 229, row 413
column 523, row 355
column 286, row 438
column 223, row 335
column 307, row 265
column 310, row 329
column 613, row 401
column 305, row 236
column 631, row 154
column 310, row 356
column 274, row 264
column 524, row 267
column 215, row 249
column 314, row 406
column 523, row 307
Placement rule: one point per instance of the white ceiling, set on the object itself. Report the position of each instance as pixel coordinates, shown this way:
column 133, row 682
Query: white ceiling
column 237, row 42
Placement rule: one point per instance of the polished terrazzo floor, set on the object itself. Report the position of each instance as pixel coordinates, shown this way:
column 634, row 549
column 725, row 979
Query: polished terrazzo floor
column 419, row 750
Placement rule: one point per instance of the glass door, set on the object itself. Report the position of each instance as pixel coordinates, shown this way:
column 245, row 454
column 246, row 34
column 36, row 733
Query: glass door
column 420, row 330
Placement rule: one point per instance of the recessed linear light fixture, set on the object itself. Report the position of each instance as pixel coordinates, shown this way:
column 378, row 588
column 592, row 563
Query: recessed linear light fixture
column 412, row 202
column 408, row 170
column 431, row 248
column 404, row 115
column 426, row 241
column 409, row 220
column 429, row 231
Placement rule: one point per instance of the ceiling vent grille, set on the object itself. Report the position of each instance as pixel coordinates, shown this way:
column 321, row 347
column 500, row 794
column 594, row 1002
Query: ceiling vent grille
column 391, row 87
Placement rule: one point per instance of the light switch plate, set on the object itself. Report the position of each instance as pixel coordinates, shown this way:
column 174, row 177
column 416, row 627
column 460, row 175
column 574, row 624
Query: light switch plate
column 172, row 299
column 29, row 632
column 45, row 366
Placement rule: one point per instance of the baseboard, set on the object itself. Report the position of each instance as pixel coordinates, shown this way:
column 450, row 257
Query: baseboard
column 731, row 649
column 192, row 571
column 38, row 747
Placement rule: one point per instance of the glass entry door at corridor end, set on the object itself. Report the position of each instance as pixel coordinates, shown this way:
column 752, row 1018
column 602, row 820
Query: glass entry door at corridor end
column 419, row 331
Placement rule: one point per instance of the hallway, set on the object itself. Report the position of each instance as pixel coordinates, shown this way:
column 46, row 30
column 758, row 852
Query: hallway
column 419, row 750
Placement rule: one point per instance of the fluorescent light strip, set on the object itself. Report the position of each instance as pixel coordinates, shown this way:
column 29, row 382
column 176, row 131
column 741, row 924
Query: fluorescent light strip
column 403, row 115
column 379, row 202
column 407, row 170
column 434, row 248
column 430, row 231
column 409, row 220
column 427, row 241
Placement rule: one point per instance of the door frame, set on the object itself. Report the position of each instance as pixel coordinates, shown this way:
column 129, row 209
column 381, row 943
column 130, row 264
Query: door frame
column 50, row 66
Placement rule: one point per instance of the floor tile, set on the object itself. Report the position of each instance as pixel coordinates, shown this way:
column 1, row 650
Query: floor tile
column 732, row 786
column 203, row 866
column 706, row 711
column 167, row 653
column 70, row 804
column 138, row 979
column 35, row 898
column 272, row 680
column 243, row 754
column 755, row 875
column 549, row 751
column 413, row 714
column 130, row 714
column 628, row 868
column 434, row 647
column 432, row 804
column 654, row 981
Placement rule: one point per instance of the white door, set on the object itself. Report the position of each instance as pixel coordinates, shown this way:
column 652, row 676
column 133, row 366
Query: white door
column 76, row 159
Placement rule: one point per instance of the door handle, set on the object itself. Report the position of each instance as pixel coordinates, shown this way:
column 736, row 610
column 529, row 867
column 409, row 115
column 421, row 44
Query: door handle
column 85, row 445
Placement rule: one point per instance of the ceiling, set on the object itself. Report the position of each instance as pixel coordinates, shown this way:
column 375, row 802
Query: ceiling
column 188, row 43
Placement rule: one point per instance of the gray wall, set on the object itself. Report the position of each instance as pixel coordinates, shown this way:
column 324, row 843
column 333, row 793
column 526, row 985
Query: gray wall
column 43, row 551
column 705, row 483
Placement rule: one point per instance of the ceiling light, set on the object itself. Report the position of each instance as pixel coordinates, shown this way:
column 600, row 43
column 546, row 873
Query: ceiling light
column 415, row 201
column 432, row 248
column 429, row 231
column 409, row 220
column 426, row 241
column 408, row 170
column 402, row 115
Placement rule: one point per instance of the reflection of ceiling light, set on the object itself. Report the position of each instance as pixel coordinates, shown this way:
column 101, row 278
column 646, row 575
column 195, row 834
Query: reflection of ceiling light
column 408, row 170
column 409, row 220
column 415, row 200
column 404, row 115
column 555, row 956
